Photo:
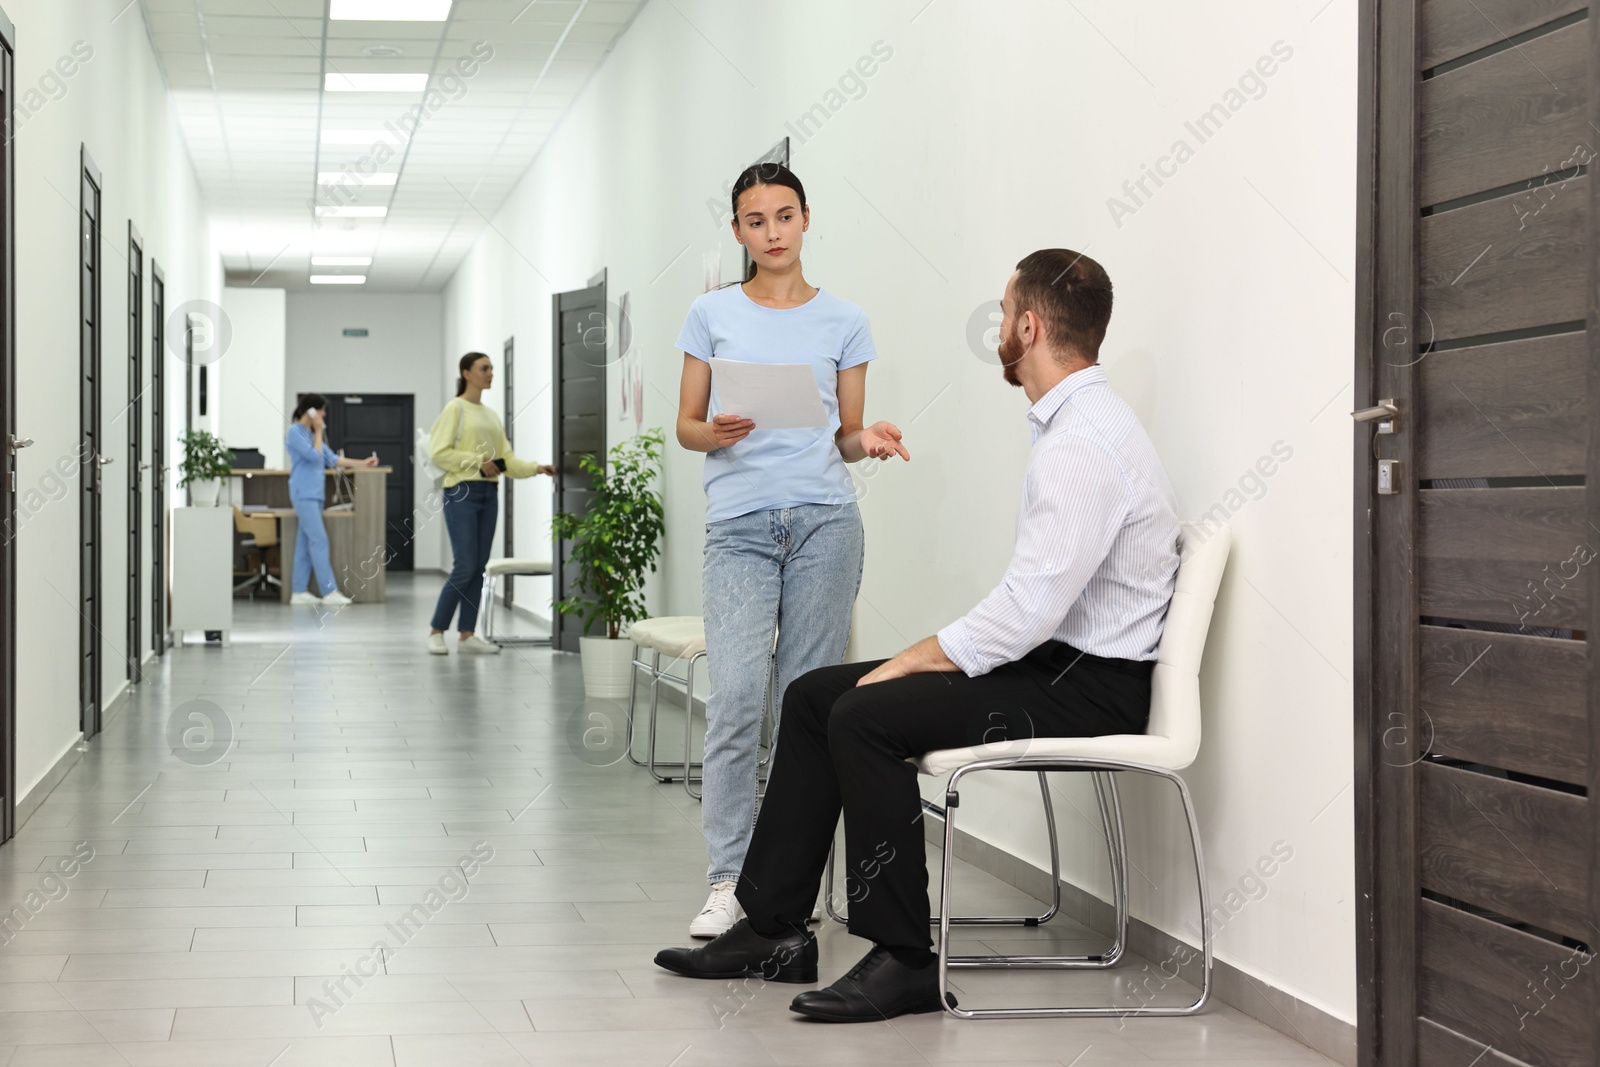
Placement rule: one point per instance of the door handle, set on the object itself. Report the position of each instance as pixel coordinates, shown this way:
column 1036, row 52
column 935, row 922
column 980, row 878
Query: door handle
column 103, row 460
column 20, row 442
column 144, row 466
column 1385, row 413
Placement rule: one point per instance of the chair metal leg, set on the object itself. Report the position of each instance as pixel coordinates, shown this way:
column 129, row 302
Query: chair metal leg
column 1117, row 848
column 1112, row 815
column 688, row 726
column 486, row 605
column 633, row 688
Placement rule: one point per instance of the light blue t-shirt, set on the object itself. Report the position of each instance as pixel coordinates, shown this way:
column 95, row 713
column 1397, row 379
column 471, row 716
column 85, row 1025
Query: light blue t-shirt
column 773, row 469
column 306, row 480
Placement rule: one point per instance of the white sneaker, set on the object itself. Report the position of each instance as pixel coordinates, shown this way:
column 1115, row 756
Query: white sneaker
column 476, row 645
column 337, row 599
column 816, row 913
column 304, row 598
column 436, row 645
column 722, row 910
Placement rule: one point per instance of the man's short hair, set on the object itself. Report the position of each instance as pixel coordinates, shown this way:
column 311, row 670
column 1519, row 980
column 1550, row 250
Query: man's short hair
column 1071, row 293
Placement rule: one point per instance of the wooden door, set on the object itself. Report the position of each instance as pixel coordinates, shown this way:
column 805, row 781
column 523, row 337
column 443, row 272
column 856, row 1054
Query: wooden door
column 579, row 322
column 365, row 424
column 1475, row 749
column 10, row 440
column 508, row 511
column 158, row 460
column 134, row 414
column 91, row 450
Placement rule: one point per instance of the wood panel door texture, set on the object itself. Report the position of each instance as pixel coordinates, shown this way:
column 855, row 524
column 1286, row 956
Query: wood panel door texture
column 579, row 419
column 1476, row 696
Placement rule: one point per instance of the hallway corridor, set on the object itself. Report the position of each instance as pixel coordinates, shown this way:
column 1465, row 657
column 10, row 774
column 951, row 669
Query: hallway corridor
column 229, row 890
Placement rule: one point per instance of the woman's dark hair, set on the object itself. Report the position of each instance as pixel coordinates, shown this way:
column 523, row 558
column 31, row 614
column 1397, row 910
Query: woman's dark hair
column 307, row 402
column 765, row 174
column 466, row 364
column 1071, row 294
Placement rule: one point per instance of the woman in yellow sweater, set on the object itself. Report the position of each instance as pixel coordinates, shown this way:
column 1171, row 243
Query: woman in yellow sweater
column 469, row 445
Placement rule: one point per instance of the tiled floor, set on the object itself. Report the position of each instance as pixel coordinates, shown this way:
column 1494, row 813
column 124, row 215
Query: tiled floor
column 234, row 891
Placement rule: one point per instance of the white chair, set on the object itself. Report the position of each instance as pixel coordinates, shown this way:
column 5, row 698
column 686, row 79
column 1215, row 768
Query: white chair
column 491, row 579
column 1168, row 745
column 678, row 637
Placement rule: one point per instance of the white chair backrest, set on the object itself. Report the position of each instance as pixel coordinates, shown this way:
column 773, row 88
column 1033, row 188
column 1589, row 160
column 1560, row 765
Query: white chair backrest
column 1175, row 687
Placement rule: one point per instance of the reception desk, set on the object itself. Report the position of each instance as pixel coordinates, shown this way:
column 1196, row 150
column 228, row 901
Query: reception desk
column 356, row 505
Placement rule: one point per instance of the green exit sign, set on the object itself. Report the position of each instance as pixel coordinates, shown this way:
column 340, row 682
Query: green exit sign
column 355, row 331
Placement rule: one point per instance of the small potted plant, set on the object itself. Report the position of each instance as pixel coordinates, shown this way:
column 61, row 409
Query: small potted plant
column 614, row 544
column 206, row 461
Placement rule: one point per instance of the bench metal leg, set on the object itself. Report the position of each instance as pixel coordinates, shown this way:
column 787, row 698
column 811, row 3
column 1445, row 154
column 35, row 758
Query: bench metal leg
column 666, row 773
column 688, row 723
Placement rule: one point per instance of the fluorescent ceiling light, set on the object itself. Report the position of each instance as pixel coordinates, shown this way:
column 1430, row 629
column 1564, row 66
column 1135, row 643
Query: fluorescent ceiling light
column 354, row 177
column 341, row 261
column 375, row 83
column 390, row 10
column 361, row 137
column 338, row 279
column 351, row 212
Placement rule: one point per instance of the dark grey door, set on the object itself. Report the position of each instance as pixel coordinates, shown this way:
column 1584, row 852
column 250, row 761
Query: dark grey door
column 1478, row 364
column 365, row 424
column 579, row 326
column 508, row 513
column 134, row 414
column 10, row 441
column 158, row 460
column 91, row 449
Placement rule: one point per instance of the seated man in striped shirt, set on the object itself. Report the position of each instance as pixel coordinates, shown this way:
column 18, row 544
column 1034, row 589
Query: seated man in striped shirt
column 1064, row 646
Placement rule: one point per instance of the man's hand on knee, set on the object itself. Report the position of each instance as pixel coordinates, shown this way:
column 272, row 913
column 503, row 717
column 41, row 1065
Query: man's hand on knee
column 922, row 657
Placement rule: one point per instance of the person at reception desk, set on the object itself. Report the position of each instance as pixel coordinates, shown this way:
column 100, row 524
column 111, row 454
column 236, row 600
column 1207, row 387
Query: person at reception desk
column 309, row 456
column 469, row 445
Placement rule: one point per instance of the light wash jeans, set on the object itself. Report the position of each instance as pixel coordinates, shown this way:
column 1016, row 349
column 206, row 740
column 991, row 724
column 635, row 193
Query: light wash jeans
column 311, row 547
column 795, row 571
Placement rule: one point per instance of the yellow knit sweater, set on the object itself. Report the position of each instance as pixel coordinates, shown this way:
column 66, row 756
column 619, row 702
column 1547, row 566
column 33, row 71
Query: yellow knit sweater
column 480, row 437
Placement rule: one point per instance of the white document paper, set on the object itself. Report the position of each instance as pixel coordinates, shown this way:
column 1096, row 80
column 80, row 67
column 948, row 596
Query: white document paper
column 775, row 396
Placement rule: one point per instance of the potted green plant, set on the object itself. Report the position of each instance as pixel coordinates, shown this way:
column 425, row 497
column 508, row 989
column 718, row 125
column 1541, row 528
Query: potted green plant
column 206, row 461
column 614, row 544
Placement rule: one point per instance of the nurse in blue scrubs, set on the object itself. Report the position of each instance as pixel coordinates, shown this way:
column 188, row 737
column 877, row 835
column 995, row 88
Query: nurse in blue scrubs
column 309, row 457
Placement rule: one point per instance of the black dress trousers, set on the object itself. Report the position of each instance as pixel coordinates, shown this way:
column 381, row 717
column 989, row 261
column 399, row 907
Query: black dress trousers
column 843, row 746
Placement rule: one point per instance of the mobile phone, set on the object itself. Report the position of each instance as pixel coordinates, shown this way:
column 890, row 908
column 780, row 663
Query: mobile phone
column 500, row 463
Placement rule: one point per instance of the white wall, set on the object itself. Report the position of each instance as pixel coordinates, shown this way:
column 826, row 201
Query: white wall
column 978, row 140
column 115, row 103
column 252, row 372
column 403, row 352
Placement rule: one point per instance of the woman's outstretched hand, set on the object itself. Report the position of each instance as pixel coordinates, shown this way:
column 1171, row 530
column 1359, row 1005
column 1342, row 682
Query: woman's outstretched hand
column 882, row 440
column 545, row 468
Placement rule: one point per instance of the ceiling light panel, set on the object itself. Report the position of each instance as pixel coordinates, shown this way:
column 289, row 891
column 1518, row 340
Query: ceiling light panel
column 375, row 83
column 390, row 10
column 338, row 279
column 354, row 177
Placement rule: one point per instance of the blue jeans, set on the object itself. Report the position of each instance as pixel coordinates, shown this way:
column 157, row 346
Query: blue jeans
column 795, row 571
column 471, row 510
column 311, row 547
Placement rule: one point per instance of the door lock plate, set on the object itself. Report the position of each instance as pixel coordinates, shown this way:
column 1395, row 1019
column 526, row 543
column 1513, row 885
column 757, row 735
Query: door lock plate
column 1388, row 477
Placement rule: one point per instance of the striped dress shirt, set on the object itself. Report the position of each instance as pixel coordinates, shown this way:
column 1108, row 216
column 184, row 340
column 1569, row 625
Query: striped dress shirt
column 1096, row 555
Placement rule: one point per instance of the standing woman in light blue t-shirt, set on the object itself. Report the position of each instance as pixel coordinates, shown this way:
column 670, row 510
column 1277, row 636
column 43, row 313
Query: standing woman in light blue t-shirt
column 783, row 536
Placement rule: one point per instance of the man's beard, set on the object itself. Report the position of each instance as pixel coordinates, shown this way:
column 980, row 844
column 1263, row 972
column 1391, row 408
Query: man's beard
column 1010, row 355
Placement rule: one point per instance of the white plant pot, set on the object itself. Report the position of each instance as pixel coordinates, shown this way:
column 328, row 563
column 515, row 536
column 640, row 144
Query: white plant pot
column 607, row 666
column 204, row 493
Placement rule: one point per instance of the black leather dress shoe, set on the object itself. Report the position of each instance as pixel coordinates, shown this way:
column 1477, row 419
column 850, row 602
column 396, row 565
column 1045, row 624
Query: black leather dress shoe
column 879, row 987
column 743, row 953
